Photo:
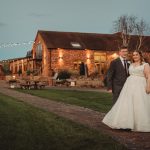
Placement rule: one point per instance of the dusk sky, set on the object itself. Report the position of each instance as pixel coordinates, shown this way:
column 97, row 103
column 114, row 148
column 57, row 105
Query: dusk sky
column 21, row 19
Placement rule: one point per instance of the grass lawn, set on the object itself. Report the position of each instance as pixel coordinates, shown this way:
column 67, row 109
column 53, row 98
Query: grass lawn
column 23, row 127
column 99, row 101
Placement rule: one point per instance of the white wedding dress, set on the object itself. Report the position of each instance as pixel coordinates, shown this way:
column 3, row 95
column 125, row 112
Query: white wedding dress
column 132, row 109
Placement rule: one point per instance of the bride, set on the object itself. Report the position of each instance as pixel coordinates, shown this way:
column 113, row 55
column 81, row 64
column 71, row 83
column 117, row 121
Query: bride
column 132, row 109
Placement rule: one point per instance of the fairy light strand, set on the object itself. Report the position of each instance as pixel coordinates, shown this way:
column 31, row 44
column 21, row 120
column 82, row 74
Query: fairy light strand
column 5, row 45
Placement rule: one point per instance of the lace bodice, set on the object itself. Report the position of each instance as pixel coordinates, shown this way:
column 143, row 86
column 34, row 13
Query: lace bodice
column 137, row 70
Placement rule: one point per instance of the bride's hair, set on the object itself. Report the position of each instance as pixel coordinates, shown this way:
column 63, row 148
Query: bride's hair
column 141, row 56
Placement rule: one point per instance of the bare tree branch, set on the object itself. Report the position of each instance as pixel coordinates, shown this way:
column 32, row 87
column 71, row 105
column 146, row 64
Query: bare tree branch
column 128, row 26
column 140, row 29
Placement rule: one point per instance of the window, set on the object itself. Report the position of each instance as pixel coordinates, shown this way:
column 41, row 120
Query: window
column 76, row 64
column 100, row 62
column 15, row 69
column 20, row 67
column 38, row 51
column 99, row 57
column 25, row 67
column 75, row 45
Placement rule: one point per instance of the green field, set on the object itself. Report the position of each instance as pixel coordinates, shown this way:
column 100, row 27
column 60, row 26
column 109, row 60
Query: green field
column 23, row 127
column 99, row 101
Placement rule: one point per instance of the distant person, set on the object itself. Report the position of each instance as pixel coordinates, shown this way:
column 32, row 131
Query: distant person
column 117, row 73
column 105, row 79
column 132, row 108
column 82, row 69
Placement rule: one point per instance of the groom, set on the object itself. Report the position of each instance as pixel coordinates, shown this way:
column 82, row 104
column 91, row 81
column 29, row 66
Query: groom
column 118, row 73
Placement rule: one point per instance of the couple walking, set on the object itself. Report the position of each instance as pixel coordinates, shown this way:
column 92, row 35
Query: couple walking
column 130, row 85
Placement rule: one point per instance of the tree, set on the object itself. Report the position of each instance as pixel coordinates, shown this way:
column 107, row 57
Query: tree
column 128, row 26
column 141, row 28
column 6, row 69
column 125, row 25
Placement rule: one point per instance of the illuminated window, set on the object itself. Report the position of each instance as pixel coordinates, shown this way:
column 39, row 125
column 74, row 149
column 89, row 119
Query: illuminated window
column 76, row 64
column 99, row 57
column 100, row 62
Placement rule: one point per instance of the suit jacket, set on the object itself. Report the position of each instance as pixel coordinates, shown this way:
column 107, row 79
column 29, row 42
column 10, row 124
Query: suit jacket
column 116, row 76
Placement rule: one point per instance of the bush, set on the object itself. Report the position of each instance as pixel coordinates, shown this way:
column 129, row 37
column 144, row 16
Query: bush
column 28, row 72
column 74, row 73
column 19, row 72
column 94, row 75
column 64, row 74
column 6, row 70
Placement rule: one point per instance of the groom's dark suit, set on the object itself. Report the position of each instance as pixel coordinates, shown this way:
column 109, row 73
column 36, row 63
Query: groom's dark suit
column 116, row 77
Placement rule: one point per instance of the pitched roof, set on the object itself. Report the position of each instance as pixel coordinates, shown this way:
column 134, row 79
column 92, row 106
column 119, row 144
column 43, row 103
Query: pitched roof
column 94, row 41
column 77, row 40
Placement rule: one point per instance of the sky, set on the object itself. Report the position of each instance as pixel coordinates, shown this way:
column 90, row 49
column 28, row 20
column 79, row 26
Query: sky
column 21, row 19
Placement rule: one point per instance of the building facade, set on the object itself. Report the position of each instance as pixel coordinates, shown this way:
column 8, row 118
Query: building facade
column 66, row 50
column 54, row 51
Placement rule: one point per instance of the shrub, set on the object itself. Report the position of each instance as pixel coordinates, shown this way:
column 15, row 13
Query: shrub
column 6, row 70
column 19, row 72
column 74, row 73
column 94, row 75
column 64, row 74
column 28, row 72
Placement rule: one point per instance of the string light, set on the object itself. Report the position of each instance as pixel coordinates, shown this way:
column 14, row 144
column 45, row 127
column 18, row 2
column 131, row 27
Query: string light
column 5, row 45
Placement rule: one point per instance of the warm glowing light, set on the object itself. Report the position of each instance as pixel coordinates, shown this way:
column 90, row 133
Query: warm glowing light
column 60, row 57
column 115, row 55
column 88, row 55
column 60, row 51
